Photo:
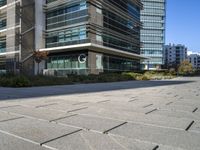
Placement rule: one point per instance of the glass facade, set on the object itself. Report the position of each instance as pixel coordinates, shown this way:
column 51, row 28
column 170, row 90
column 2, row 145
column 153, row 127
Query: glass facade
column 61, row 21
column 153, row 33
column 126, row 26
column 2, row 44
column 75, row 22
column 2, row 24
column 68, row 63
column 67, row 25
column 3, row 2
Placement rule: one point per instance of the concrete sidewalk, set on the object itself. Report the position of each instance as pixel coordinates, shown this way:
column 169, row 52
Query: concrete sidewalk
column 140, row 115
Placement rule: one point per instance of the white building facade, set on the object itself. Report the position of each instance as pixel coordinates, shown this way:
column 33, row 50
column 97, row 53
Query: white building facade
column 174, row 55
column 194, row 59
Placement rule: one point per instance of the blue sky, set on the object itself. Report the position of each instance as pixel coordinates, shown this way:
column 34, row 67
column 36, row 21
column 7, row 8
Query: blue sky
column 183, row 23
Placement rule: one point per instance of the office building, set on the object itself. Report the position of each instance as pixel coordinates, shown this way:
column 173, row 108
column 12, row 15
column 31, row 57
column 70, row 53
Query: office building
column 81, row 36
column 174, row 55
column 153, row 33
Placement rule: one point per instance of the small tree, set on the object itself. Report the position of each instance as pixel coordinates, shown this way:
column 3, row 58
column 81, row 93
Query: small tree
column 185, row 68
column 38, row 57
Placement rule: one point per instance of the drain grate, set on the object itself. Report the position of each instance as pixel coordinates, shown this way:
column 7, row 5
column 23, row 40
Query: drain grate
column 106, row 132
column 147, row 105
column 189, row 126
column 169, row 103
column 133, row 100
column 195, row 110
column 63, row 118
column 46, row 105
column 11, row 119
column 103, row 101
column 77, row 109
column 60, row 137
column 150, row 111
column 156, row 147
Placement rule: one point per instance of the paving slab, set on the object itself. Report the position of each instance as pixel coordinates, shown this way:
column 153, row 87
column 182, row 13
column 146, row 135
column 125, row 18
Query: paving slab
column 161, row 147
column 5, row 116
column 164, row 136
column 35, row 130
column 8, row 142
column 177, row 114
column 64, row 107
column 90, row 140
column 132, row 144
column 40, row 113
column 153, row 119
column 90, row 123
column 180, row 107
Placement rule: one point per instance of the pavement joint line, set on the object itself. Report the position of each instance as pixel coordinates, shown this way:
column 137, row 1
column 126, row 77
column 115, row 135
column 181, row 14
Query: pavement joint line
column 77, row 109
column 195, row 110
column 60, row 137
column 26, row 116
column 106, row 132
column 147, row 105
column 169, row 103
column 133, row 97
column 151, row 111
column 39, row 106
column 154, row 125
column 190, row 125
column 102, row 101
column 137, row 140
column 68, row 125
column 9, row 106
column 156, row 147
column 48, row 147
column 11, row 119
column 19, row 137
column 54, row 120
column 175, row 110
column 80, row 103
column 86, row 141
column 118, row 143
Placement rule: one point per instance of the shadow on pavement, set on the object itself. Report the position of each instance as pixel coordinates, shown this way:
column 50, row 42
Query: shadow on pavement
column 18, row 93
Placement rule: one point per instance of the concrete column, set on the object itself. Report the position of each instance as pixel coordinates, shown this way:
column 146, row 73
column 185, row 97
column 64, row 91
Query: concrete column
column 11, row 35
column 40, row 26
column 11, row 23
column 95, row 62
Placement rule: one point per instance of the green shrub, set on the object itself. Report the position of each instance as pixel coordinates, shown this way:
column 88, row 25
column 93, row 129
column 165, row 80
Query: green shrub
column 143, row 77
column 16, row 81
column 133, row 75
column 185, row 68
column 20, row 81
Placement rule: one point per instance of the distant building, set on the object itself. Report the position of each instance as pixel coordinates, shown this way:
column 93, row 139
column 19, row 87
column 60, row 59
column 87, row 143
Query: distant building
column 174, row 55
column 153, row 17
column 194, row 59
